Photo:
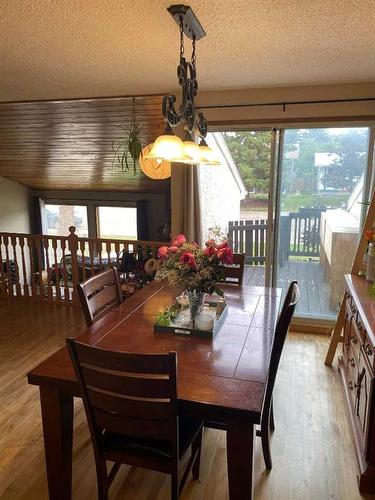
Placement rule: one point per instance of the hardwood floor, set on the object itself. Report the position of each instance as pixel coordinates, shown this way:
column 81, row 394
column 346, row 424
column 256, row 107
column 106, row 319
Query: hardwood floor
column 312, row 449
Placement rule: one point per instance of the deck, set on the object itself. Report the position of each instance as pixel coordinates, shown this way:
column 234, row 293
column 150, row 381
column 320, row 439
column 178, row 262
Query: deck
column 314, row 299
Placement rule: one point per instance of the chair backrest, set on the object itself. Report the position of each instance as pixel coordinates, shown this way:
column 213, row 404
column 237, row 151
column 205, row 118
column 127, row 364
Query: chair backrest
column 236, row 271
column 130, row 394
column 99, row 294
column 281, row 331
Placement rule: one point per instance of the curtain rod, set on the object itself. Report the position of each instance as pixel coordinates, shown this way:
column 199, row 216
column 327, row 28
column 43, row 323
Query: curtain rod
column 284, row 104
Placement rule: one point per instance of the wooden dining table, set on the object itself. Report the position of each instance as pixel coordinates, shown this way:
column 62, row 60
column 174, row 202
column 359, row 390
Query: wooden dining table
column 221, row 380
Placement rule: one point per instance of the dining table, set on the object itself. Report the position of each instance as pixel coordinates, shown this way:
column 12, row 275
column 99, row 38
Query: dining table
column 221, row 379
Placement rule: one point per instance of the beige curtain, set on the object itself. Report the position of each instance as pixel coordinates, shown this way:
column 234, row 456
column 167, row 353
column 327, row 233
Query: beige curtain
column 186, row 210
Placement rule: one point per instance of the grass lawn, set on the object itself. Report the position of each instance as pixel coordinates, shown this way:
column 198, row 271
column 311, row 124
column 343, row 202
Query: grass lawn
column 292, row 202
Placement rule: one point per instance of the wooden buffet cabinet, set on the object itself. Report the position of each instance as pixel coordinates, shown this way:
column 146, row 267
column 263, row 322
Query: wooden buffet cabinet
column 357, row 369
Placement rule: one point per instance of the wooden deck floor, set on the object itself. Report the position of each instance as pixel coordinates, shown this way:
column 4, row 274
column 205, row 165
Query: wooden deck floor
column 314, row 291
column 313, row 453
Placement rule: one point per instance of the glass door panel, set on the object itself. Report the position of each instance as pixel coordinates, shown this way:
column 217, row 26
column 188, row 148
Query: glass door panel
column 322, row 186
column 248, row 232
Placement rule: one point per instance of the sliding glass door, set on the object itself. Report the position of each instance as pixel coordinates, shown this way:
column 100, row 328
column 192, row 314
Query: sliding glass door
column 323, row 182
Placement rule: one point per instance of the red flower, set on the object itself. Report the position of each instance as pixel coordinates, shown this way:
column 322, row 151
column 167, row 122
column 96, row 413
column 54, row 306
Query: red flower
column 210, row 243
column 225, row 255
column 162, row 252
column 188, row 258
column 223, row 245
column 179, row 240
column 173, row 249
column 369, row 235
column 209, row 251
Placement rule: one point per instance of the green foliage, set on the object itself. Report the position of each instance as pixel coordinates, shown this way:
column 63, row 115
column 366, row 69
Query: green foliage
column 129, row 145
column 251, row 152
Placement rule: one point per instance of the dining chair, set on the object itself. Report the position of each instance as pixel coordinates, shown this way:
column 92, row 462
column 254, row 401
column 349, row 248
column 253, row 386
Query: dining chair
column 131, row 407
column 233, row 274
column 99, row 294
column 267, row 423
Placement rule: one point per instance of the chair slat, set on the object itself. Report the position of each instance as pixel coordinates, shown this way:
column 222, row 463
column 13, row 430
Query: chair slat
column 127, row 362
column 135, row 427
column 130, row 386
column 129, row 407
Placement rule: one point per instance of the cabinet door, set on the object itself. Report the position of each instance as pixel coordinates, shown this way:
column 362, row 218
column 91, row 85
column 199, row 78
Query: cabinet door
column 347, row 332
column 363, row 392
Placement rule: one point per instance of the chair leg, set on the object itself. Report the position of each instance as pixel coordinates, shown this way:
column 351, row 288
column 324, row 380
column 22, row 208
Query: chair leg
column 272, row 420
column 102, row 480
column 174, row 485
column 196, row 447
column 265, row 436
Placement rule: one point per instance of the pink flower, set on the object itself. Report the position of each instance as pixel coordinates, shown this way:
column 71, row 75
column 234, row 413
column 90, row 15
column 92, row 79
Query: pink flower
column 173, row 249
column 179, row 240
column 209, row 251
column 225, row 255
column 188, row 258
column 162, row 252
column 223, row 245
column 210, row 243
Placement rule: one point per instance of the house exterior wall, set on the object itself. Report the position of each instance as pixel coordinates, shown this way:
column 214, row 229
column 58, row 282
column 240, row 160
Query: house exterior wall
column 220, row 198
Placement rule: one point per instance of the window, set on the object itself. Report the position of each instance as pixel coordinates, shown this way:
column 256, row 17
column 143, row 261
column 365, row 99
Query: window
column 117, row 223
column 58, row 218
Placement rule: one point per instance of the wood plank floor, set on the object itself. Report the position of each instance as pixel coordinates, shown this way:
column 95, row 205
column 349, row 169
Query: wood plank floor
column 314, row 298
column 312, row 447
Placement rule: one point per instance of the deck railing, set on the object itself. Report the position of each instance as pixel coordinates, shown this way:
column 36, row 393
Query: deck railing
column 48, row 268
column 299, row 235
column 249, row 237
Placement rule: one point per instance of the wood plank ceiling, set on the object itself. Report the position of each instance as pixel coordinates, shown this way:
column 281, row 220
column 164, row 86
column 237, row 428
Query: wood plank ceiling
column 67, row 145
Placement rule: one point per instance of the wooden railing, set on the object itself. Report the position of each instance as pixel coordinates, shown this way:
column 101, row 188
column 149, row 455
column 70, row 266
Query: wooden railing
column 299, row 235
column 249, row 237
column 48, row 268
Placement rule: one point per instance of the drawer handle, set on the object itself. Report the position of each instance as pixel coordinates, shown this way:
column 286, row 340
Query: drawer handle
column 352, row 363
column 359, row 380
column 368, row 350
column 350, row 385
column 354, row 339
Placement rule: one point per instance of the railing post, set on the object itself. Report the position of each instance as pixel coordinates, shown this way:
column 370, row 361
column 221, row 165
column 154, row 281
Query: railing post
column 73, row 248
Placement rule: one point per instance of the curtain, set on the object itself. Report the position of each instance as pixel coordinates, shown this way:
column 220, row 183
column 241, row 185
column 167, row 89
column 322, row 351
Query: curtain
column 186, row 209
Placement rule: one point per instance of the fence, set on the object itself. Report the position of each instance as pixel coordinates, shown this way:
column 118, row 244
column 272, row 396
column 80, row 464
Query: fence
column 49, row 267
column 299, row 235
column 249, row 237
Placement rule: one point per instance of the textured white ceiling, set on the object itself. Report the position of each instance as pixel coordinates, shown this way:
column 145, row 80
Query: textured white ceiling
column 76, row 48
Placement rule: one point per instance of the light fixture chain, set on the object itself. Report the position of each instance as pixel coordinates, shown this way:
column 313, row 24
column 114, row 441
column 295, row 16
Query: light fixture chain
column 193, row 55
column 182, row 48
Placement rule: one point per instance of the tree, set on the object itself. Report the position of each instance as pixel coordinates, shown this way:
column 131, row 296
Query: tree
column 251, row 152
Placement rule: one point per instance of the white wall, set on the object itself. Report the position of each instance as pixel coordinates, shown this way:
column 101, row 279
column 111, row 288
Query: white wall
column 15, row 207
column 221, row 189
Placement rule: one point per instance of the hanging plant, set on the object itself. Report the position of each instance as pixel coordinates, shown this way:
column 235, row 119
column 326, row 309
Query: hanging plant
column 129, row 147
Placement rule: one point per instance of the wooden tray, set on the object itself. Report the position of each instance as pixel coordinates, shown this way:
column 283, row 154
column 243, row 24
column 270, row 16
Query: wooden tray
column 184, row 329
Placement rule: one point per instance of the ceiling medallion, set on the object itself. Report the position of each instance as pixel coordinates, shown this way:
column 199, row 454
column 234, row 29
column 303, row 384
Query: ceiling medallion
column 169, row 147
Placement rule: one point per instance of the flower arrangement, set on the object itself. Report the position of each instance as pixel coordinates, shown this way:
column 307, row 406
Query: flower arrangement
column 370, row 236
column 194, row 269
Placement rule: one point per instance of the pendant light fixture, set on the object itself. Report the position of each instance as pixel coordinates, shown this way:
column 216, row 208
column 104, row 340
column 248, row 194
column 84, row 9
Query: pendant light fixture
column 169, row 147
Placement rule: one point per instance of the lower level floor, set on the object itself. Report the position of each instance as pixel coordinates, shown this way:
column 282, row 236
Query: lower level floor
column 312, row 448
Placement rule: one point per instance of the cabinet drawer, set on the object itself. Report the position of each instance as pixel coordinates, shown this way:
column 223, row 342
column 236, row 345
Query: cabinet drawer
column 347, row 332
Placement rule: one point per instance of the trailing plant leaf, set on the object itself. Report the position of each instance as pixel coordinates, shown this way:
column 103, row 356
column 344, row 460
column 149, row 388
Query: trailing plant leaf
column 130, row 146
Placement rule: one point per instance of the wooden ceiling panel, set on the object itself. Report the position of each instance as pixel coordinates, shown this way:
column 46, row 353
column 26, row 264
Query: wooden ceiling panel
column 68, row 144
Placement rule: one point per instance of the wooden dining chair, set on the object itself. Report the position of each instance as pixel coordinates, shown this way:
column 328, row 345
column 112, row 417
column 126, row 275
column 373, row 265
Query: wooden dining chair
column 131, row 408
column 267, row 423
column 99, row 294
column 233, row 274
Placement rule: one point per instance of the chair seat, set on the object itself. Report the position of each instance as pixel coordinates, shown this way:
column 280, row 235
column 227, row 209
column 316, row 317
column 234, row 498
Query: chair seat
column 155, row 448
